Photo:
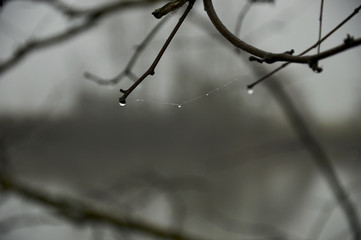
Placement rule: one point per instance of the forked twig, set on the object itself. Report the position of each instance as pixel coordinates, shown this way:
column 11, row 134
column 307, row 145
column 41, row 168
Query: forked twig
column 260, row 55
column 151, row 69
column 355, row 11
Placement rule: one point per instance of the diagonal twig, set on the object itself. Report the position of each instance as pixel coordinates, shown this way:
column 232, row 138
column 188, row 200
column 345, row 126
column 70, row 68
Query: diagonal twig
column 151, row 69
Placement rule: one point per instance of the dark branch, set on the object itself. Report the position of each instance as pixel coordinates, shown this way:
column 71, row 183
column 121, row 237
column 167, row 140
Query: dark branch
column 355, row 11
column 268, row 57
column 151, row 69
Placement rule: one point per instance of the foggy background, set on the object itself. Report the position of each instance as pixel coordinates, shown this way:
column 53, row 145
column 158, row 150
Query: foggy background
column 224, row 165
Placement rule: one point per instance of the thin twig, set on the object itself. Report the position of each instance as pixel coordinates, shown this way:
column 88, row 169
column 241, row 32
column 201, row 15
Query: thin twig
column 320, row 27
column 127, row 71
column 355, row 11
column 151, row 69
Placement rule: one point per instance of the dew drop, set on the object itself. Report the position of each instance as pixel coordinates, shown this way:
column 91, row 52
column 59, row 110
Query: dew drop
column 250, row 91
column 207, row 94
column 122, row 102
column 179, row 106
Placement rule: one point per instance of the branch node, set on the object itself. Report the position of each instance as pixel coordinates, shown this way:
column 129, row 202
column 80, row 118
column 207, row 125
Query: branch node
column 348, row 40
column 255, row 59
column 266, row 59
column 314, row 66
column 290, row 52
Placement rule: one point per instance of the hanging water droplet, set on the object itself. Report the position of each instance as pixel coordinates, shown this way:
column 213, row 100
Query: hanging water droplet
column 179, row 106
column 250, row 91
column 122, row 102
column 207, row 94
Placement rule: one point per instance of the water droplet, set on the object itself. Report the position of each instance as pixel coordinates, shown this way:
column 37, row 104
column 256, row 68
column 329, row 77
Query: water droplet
column 207, row 94
column 250, row 91
column 179, row 106
column 122, row 102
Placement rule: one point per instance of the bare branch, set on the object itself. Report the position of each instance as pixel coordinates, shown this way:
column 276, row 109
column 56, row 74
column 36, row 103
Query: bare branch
column 268, row 57
column 151, row 69
column 355, row 11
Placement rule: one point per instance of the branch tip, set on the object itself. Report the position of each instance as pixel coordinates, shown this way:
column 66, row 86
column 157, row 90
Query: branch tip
column 169, row 7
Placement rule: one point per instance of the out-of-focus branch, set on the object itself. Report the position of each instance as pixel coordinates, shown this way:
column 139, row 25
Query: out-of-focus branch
column 128, row 69
column 319, row 156
column 89, row 17
column 26, row 220
column 261, row 56
column 242, row 14
column 82, row 212
column 356, row 11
